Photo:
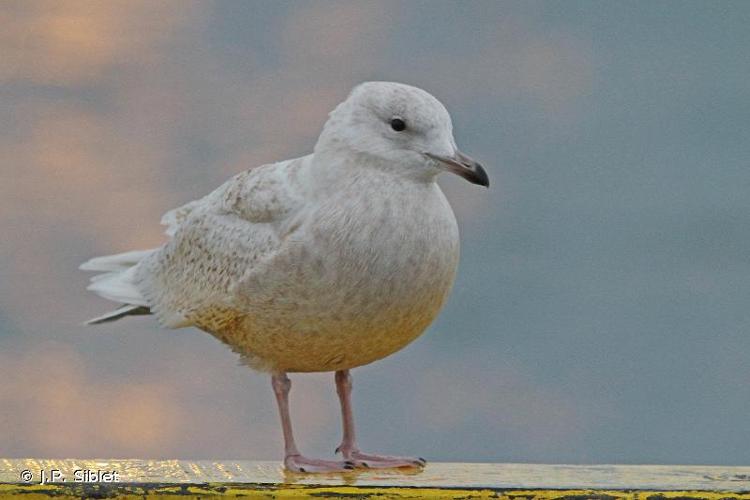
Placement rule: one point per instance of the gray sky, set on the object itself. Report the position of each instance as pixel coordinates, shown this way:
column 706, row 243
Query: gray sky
column 601, row 309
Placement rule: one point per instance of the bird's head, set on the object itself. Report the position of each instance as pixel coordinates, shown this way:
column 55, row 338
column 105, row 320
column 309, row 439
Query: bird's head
column 404, row 129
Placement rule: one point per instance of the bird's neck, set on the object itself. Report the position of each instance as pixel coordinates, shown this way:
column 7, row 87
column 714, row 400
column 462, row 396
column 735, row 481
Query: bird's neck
column 331, row 169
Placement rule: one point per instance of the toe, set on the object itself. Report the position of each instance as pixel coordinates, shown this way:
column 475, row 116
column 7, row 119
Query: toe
column 303, row 464
column 367, row 461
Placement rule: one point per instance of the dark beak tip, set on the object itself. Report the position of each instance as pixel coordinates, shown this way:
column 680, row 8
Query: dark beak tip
column 480, row 176
column 465, row 167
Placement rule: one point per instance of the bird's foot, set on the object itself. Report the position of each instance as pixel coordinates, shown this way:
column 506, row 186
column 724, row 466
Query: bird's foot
column 370, row 461
column 299, row 463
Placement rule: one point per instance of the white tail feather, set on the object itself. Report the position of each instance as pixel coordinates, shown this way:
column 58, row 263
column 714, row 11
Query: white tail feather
column 117, row 262
column 118, row 286
column 117, row 283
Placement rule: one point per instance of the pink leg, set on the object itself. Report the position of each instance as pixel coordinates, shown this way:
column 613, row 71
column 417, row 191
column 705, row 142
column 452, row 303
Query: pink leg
column 293, row 460
column 349, row 448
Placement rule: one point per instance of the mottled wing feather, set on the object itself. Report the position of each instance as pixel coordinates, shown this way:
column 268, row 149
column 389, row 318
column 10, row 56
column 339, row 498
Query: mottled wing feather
column 215, row 241
column 176, row 217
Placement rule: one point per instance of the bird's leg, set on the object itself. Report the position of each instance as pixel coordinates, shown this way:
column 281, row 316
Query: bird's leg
column 348, row 446
column 293, row 460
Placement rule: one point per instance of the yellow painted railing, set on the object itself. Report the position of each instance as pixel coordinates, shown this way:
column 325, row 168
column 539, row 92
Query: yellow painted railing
column 35, row 478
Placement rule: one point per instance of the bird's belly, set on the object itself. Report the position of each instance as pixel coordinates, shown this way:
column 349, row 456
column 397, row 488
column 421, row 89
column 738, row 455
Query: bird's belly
column 332, row 341
column 345, row 305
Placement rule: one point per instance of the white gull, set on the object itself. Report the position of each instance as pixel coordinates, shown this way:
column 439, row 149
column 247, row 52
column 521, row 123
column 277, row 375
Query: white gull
column 320, row 263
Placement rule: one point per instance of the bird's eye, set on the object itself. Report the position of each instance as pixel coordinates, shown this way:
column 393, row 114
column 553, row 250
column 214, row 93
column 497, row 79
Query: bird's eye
column 398, row 124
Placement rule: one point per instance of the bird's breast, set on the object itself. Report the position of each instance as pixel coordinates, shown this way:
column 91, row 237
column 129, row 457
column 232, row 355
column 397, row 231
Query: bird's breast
column 360, row 282
column 399, row 247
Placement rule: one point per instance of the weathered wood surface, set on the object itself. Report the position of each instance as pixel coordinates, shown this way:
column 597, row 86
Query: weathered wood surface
column 438, row 480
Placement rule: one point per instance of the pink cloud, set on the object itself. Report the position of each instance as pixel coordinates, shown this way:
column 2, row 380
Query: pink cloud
column 72, row 43
column 54, row 407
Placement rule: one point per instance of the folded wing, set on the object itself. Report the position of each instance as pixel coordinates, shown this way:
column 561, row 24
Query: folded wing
column 214, row 241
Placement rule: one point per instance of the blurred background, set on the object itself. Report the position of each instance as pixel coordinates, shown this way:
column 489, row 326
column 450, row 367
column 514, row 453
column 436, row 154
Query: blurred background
column 602, row 307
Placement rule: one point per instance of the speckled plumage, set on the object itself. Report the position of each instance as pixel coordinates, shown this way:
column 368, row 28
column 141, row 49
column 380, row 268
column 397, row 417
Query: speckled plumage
column 320, row 263
column 299, row 286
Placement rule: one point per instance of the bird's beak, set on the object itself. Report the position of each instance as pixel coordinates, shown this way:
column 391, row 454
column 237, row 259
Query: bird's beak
column 464, row 166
